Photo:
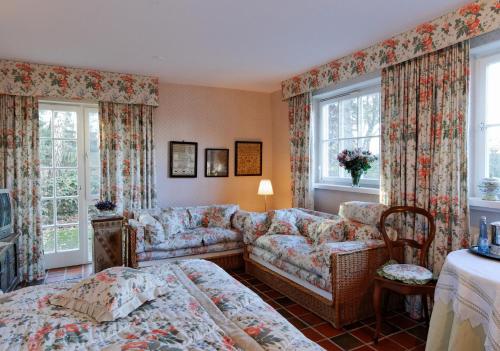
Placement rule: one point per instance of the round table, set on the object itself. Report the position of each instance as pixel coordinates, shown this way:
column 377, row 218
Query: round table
column 466, row 314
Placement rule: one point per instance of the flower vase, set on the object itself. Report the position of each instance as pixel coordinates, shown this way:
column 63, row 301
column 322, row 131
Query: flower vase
column 356, row 177
column 106, row 213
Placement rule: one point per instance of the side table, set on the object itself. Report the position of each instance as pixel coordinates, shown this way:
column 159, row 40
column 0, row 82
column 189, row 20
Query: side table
column 109, row 242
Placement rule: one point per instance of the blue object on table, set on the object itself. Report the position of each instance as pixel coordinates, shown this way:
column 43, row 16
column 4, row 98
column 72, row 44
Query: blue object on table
column 483, row 236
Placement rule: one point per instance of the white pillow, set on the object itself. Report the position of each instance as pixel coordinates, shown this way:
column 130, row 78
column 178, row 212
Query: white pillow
column 154, row 232
column 112, row 293
column 283, row 222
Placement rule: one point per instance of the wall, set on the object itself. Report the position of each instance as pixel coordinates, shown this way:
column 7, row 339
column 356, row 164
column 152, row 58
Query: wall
column 281, row 153
column 214, row 118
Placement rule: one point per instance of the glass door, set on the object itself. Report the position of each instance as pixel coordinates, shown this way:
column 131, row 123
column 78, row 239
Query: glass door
column 65, row 177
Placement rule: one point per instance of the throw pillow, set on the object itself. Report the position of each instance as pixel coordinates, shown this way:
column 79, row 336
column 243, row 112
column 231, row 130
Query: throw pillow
column 112, row 293
column 328, row 231
column 218, row 216
column 175, row 220
column 363, row 212
column 359, row 231
column 283, row 222
column 154, row 232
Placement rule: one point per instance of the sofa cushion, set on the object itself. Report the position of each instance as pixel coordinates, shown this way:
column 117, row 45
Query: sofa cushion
column 174, row 220
column 359, row 231
column 329, row 230
column 363, row 212
column 187, row 239
column 211, row 216
column 153, row 230
column 296, row 250
column 160, row 255
column 283, row 222
column 252, row 224
column 211, row 236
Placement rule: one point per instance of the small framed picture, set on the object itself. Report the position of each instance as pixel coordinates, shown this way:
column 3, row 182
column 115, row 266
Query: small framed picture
column 248, row 158
column 183, row 159
column 216, row 162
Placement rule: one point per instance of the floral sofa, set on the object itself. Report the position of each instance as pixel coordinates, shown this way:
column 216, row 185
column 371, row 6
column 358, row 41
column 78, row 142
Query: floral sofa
column 160, row 234
column 322, row 261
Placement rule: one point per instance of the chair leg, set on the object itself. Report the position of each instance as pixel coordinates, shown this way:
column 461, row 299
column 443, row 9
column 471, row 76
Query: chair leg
column 377, row 297
column 426, row 309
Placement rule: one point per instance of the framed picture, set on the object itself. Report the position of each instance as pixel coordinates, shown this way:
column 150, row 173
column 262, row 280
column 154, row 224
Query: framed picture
column 183, row 159
column 248, row 158
column 216, row 162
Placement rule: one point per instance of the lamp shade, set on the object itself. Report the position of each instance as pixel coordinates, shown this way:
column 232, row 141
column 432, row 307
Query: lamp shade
column 265, row 187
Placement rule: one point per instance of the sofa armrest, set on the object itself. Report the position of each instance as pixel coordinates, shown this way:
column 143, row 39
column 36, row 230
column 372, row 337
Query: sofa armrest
column 136, row 241
column 352, row 273
column 251, row 224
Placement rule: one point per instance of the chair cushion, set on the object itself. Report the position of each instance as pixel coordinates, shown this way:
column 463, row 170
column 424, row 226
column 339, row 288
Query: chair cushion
column 406, row 273
column 283, row 222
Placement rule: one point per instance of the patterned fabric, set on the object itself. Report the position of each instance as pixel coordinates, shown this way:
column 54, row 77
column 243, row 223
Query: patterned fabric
column 160, row 255
column 196, row 215
column 283, row 222
column 140, row 240
column 322, row 282
column 112, row 293
column 29, row 79
column 359, row 231
column 214, row 235
column 363, row 212
column 154, row 232
column 219, row 216
column 328, row 249
column 299, row 117
column 406, row 273
column 174, row 220
column 424, row 142
column 329, row 231
column 20, row 172
column 174, row 321
column 127, row 160
column 197, row 237
column 252, row 224
column 464, row 23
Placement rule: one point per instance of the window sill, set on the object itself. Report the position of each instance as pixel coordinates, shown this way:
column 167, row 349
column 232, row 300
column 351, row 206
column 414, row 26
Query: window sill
column 477, row 202
column 347, row 188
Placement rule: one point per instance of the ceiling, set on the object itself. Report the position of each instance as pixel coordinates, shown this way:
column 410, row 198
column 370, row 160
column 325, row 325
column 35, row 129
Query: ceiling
column 249, row 45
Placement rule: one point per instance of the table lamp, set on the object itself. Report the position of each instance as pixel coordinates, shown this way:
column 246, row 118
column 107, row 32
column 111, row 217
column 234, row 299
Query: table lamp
column 265, row 189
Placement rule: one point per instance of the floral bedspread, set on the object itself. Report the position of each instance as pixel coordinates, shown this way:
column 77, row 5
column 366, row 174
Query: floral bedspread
column 205, row 309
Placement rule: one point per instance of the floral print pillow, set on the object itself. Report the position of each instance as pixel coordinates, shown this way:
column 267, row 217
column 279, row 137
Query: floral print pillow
column 363, row 212
column 328, row 231
column 112, row 293
column 359, row 231
column 253, row 225
column 283, row 222
column 153, row 230
column 175, row 220
column 218, row 216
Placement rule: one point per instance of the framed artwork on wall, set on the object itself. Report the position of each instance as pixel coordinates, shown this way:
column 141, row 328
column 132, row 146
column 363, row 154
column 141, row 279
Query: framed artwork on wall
column 248, row 158
column 183, row 159
column 216, row 162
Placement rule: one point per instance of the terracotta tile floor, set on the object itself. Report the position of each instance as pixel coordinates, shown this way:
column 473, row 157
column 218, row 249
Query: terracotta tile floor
column 398, row 333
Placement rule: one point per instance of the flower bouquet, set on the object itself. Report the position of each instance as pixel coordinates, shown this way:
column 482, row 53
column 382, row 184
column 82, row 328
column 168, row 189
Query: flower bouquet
column 105, row 207
column 356, row 162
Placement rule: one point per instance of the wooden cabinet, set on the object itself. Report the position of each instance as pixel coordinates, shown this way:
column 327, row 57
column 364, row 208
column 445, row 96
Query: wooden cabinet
column 109, row 242
column 9, row 263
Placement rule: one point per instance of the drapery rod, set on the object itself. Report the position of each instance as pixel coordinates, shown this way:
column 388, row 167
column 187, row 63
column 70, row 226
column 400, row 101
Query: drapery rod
column 357, row 90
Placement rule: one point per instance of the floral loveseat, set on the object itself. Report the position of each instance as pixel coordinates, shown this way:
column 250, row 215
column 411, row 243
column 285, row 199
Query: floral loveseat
column 322, row 261
column 206, row 232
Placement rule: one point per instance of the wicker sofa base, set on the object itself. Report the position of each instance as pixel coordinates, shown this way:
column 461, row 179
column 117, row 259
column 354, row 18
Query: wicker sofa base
column 228, row 262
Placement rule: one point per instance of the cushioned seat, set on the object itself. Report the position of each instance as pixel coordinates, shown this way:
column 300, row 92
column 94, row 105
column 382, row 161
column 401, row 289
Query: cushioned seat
column 211, row 236
column 179, row 241
column 406, row 273
column 200, row 250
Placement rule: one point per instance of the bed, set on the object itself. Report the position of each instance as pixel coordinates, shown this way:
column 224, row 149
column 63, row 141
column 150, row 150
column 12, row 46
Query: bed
column 204, row 309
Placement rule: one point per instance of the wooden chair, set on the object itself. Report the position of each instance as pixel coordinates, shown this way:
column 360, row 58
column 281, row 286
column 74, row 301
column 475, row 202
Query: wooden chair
column 382, row 283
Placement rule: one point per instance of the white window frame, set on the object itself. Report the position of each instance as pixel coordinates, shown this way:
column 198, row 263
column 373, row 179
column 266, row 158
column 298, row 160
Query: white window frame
column 478, row 126
column 340, row 183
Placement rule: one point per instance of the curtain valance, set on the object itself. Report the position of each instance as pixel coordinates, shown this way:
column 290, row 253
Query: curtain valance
column 29, row 79
column 467, row 22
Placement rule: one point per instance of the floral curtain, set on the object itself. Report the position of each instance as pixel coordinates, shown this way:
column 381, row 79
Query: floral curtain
column 127, row 162
column 424, row 149
column 20, row 173
column 299, row 115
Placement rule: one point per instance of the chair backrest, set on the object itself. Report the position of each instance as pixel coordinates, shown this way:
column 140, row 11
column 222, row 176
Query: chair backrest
column 401, row 242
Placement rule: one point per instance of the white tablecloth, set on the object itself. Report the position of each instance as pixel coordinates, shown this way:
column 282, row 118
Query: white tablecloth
column 469, row 285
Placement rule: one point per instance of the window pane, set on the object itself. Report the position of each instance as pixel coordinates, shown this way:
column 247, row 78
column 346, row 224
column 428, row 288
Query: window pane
column 492, row 93
column 331, row 116
column 67, row 211
column 65, row 124
column 349, row 121
column 45, row 123
column 65, row 153
column 45, row 152
column 67, row 238
column 372, row 145
column 370, row 115
column 47, row 212
column 49, row 239
column 66, row 182
column 330, row 166
column 493, row 151
column 95, row 181
column 47, row 182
